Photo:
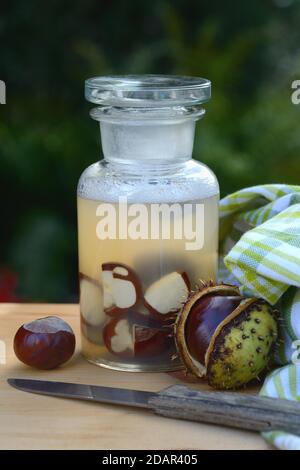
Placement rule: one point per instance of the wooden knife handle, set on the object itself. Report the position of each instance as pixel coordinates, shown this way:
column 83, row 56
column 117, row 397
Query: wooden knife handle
column 236, row 410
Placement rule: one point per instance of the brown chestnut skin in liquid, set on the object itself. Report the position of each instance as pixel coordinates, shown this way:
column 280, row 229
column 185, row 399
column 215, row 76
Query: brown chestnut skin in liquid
column 204, row 318
column 149, row 340
column 43, row 350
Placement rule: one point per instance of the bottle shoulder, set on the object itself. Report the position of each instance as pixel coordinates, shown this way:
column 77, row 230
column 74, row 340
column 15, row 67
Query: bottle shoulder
column 202, row 172
column 190, row 181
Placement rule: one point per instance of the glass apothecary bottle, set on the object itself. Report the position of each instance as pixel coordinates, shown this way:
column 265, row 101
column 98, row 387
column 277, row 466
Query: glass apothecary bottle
column 147, row 219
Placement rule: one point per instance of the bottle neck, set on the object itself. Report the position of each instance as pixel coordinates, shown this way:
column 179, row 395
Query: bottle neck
column 146, row 144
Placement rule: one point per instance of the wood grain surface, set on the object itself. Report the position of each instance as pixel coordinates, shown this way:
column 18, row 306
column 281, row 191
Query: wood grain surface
column 30, row 421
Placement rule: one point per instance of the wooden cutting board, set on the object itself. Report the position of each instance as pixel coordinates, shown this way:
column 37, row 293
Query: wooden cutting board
column 30, row 421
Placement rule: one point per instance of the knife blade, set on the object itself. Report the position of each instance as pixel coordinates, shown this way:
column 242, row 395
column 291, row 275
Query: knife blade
column 232, row 409
column 116, row 396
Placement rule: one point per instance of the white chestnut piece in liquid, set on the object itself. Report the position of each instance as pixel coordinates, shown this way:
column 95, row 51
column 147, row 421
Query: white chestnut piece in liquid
column 166, row 296
column 125, row 338
column 122, row 289
column 45, row 343
column 91, row 301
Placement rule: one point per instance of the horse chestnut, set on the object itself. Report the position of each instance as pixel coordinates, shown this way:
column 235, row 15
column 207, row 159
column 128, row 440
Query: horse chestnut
column 165, row 297
column 205, row 316
column 45, row 343
column 227, row 338
column 91, row 301
column 121, row 288
column 126, row 338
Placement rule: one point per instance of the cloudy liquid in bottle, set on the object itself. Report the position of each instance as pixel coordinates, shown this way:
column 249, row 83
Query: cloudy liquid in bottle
column 157, row 260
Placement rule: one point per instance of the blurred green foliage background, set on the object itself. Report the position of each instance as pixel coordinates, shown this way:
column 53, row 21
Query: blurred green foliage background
column 250, row 51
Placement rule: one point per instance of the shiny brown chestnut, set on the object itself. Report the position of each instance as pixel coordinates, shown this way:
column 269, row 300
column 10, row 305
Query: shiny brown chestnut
column 203, row 320
column 45, row 343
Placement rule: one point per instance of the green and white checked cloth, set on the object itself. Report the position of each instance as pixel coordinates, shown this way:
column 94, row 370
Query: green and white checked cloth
column 260, row 251
column 283, row 383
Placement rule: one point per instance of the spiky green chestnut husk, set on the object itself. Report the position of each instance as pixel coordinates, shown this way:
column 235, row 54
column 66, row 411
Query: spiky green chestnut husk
column 224, row 337
column 241, row 349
